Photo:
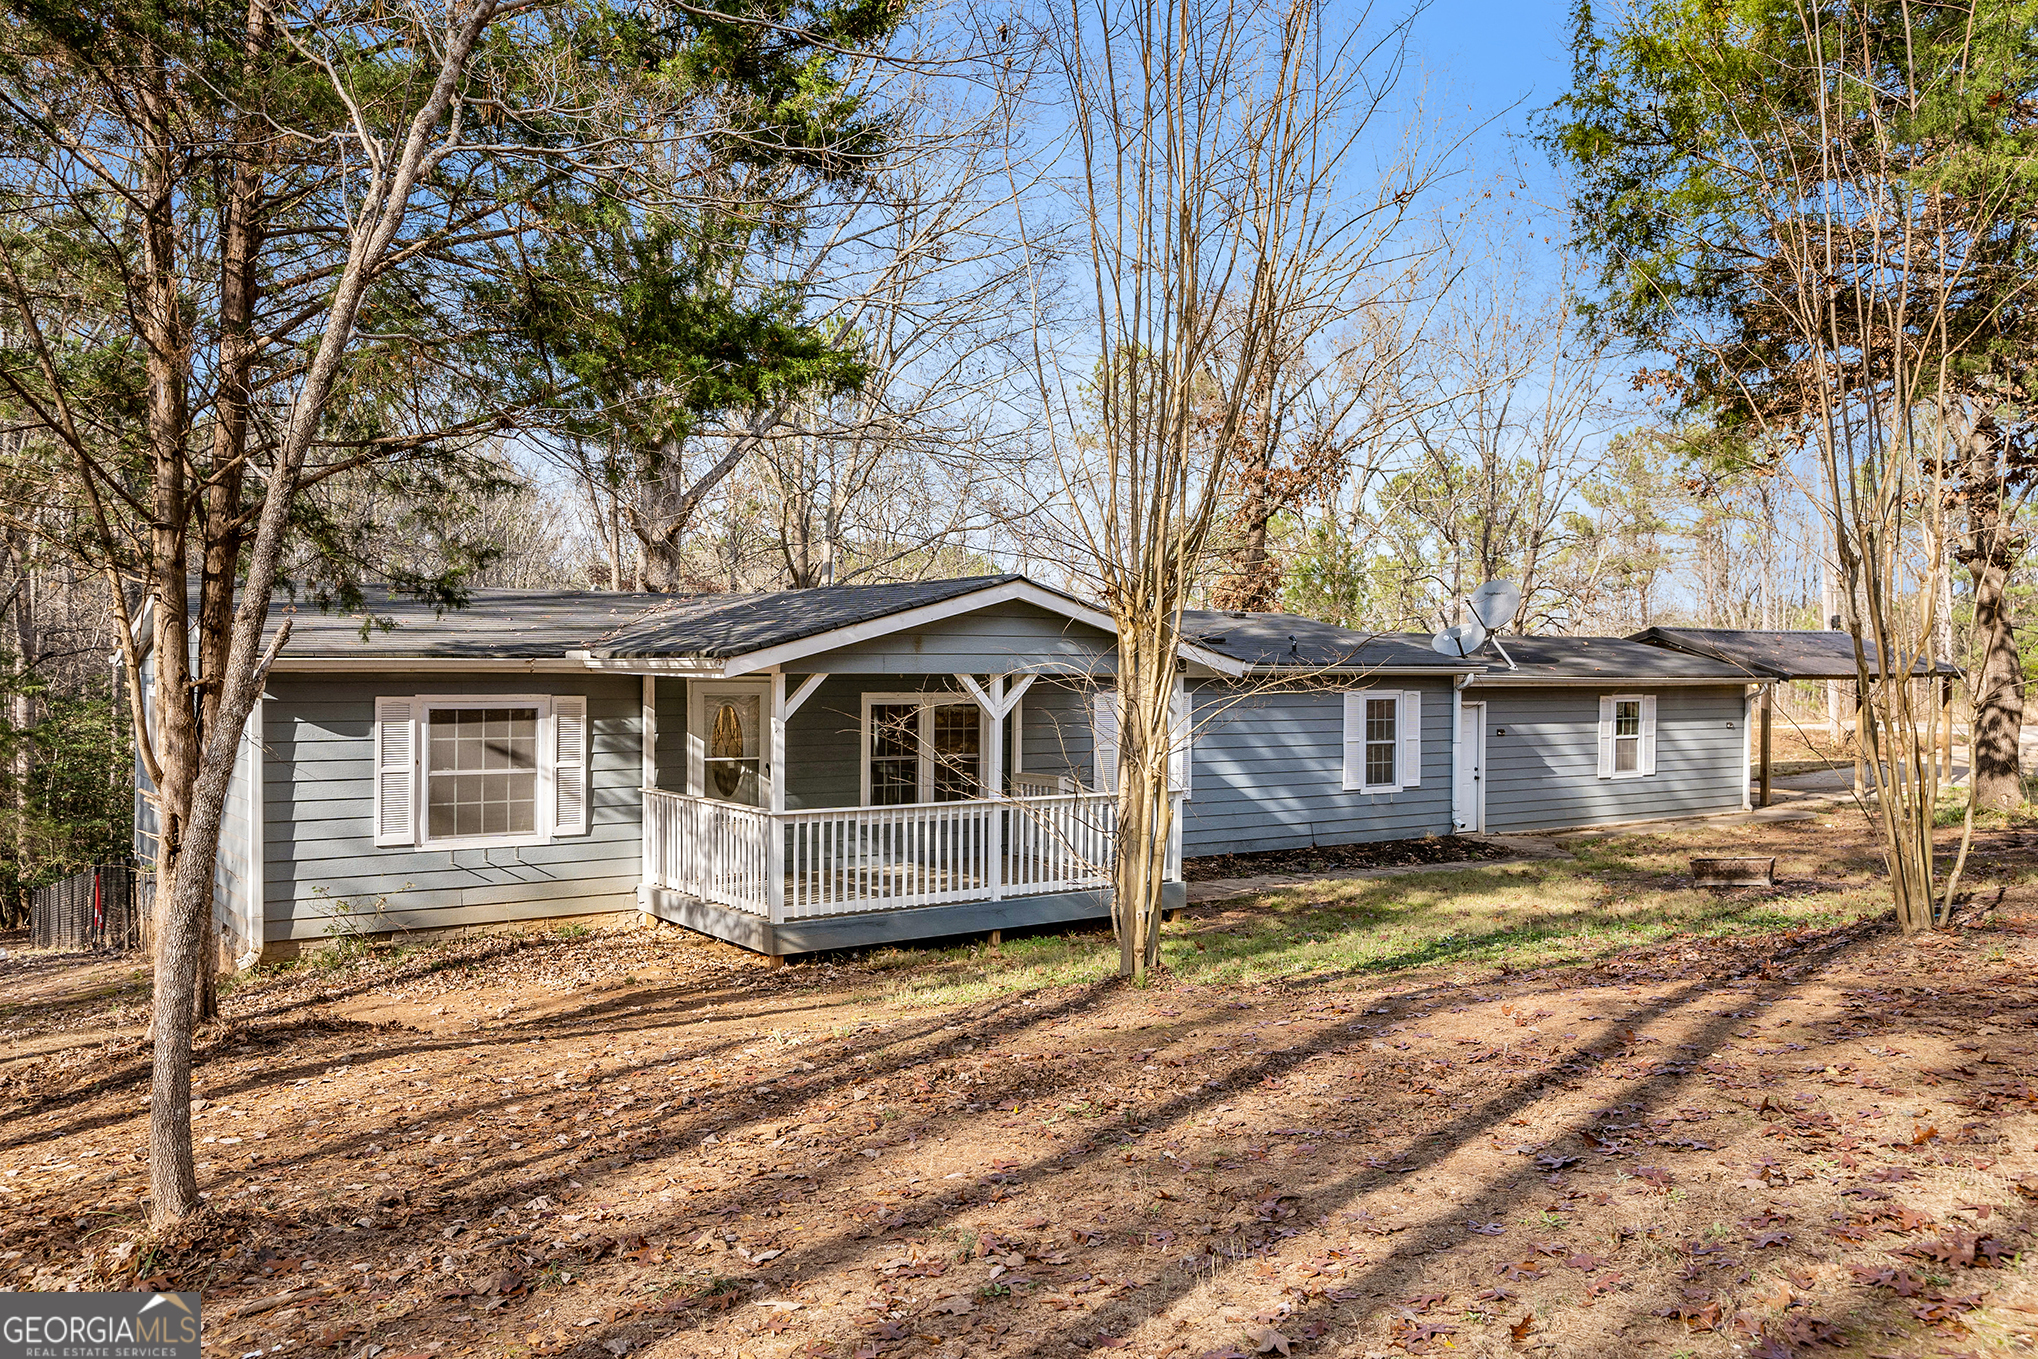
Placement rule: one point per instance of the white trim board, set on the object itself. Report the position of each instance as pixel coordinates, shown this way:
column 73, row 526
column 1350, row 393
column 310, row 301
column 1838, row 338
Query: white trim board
column 1598, row 682
column 288, row 664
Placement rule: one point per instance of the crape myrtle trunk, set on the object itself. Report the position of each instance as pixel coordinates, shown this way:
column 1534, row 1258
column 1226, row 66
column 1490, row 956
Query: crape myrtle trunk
column 1146, row 676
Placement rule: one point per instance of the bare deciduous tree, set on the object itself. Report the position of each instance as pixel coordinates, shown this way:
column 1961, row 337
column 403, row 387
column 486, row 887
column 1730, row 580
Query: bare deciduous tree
column 1221, row 212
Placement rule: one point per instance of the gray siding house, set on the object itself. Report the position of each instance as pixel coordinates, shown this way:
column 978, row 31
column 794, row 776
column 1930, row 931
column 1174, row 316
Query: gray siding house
column 855, row 764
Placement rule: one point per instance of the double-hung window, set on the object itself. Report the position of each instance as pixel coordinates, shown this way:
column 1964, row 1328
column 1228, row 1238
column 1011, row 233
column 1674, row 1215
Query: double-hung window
column 481, row 772
column 1382, row 740
column 478, row 771
column 921, row 748
column 1627, row 736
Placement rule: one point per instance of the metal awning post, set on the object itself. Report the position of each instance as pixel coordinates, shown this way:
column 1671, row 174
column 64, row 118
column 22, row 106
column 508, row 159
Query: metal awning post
column 1860, row 766
column 1768, row 704
column 1946, row 727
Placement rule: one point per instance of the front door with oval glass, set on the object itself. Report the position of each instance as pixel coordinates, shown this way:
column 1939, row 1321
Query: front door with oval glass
column 729, row 727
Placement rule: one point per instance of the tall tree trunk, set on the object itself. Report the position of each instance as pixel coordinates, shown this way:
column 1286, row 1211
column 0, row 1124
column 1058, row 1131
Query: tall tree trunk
column 1251, row 582
column 1993, row 548
column 220, row 518
column 21, row 711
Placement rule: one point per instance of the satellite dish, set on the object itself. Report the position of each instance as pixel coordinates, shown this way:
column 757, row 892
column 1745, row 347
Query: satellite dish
column 1494, row 603
column 1460, row 641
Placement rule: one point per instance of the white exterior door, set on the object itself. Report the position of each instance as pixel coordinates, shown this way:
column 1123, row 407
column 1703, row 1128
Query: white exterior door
column 728, row 755
column 1468, row 789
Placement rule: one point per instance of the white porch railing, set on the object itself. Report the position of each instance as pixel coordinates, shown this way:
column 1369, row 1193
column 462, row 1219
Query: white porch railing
column 716, row 851
column 842, row 860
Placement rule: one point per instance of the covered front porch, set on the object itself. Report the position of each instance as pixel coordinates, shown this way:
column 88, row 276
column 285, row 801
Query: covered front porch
column 930, row 772
column 802, row 881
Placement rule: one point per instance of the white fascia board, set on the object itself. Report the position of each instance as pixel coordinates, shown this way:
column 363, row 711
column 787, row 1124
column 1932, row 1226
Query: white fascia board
column 1602, row 682
column 1303, row 672
column 437, row 665
column 697, row 667
column 144, row 629
column 1021, row 591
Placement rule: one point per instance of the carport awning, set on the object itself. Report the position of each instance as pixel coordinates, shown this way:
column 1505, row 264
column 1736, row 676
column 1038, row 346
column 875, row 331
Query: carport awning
column 1798, row 655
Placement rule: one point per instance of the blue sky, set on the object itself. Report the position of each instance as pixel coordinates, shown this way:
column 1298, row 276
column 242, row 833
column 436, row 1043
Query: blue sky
column 1494, row 64
column 1484, row 55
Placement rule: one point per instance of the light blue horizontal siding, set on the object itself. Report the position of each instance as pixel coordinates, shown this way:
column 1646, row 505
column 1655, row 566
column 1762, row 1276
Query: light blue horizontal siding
column 824, row 740
column 1543, row 773
column 1054, row 730
column 319, row 840
column 1000, row 639
column 232, row 889
column 1269, row 773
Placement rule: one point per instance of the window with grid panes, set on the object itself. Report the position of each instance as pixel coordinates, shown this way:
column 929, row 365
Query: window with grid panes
column 481, row 772
column 1382, row 735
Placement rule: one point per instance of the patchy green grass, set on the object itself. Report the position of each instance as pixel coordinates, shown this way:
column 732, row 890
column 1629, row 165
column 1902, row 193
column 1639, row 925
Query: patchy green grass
column 1505, row 919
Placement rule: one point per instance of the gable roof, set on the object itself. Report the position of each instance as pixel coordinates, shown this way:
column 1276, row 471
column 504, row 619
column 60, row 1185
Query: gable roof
column 1797, row 654
column 708, row 634
column 1287, row 641
column 722, row 626
column 496, row 625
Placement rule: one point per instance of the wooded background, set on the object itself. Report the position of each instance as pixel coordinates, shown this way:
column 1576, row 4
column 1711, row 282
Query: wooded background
column 782, row 320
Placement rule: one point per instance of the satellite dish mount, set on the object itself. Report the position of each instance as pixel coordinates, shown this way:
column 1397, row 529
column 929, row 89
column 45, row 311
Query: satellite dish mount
column 1493, row 605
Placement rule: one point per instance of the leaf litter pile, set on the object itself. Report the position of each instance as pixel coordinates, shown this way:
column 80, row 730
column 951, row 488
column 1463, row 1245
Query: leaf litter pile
column 637, row 1142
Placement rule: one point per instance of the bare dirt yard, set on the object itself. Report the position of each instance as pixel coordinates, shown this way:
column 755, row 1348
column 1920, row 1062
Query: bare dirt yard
column 1566, row 1109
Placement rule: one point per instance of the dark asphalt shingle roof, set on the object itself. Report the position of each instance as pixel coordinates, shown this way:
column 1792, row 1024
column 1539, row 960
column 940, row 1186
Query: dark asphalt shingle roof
column 1291, row 641
column 496, row 624
column 1599, row 658
column 719, row 626
column 1775, row 655
column 542, row 624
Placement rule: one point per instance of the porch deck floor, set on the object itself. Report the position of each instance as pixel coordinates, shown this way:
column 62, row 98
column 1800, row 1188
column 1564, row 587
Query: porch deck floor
column 840, row 889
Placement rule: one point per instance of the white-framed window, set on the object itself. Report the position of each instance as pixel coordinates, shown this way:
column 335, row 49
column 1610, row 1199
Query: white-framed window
column 1104, row 741
column 1382, row 740
column 480, row 771
column 1627, row 736
column 922, row 747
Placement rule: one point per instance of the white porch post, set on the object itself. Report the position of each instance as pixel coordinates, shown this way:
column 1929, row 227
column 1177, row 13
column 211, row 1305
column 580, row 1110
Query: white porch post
column 774, row 830
column 994, row 783
column 648, row 730
column 1174, row 868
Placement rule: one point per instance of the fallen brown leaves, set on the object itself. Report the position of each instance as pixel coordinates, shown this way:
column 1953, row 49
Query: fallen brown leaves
column 641, row 1142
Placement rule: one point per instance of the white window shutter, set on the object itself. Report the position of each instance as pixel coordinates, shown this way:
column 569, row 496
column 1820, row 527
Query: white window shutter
column 1648, row 760
column 1355, row 740
column 1606, row 736
column 1104, row 739
column 1181, row 733
column 1408, row 766
column 396, row 820
column 569, row 764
